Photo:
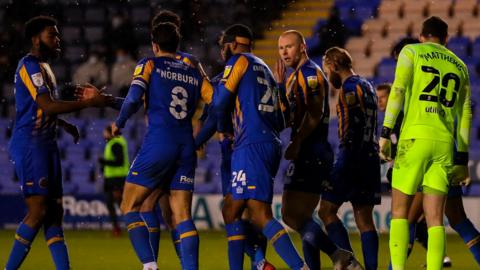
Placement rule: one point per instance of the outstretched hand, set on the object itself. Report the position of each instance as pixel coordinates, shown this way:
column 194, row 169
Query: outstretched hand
column 115, row 130
column 279, row 71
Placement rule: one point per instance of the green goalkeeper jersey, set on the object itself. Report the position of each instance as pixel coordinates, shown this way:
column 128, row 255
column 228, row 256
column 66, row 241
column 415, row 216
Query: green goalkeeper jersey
column 433, row 86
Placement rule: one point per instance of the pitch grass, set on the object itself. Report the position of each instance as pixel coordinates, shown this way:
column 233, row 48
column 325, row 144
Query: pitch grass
column 94, row 250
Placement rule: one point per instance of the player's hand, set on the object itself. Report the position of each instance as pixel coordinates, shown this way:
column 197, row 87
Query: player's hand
column 293, row 150
column 72, row 130
column 279, row 71
column 385, row 149
column 460, row 175
column 115, row 130
column 87, row 91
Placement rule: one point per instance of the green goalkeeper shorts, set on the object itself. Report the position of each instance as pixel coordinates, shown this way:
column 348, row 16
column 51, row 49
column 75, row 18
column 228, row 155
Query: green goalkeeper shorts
column 422, row 162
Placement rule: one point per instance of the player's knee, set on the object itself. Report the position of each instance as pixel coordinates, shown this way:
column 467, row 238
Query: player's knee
column 35, row 217
column 290, row 220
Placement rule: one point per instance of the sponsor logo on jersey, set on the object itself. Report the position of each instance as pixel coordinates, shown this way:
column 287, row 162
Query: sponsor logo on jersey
column 37, row 79
column 350, row 98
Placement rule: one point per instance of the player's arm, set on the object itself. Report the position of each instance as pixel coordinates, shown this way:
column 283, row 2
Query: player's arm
column 227, row 90
column 403, row 77
column 69, row 128
column 464, row 120
column 209, row 126
column 33, row 78
column 138, row 87
column 312, row 117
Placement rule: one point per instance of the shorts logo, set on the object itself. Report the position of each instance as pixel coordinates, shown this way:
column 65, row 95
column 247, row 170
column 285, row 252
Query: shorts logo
column 138, row 70
column 227, row 70
column 239, row 190
column 43, row 182
column 37, row 79
column 312, row 81
column 291, row 169
column 186, row 180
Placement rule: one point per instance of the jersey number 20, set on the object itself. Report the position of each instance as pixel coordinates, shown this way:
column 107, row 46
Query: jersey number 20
column 442, row 97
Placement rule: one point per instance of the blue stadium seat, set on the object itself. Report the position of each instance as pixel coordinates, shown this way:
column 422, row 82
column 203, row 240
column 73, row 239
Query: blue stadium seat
column 476, row 49
column 386, row 69
column 459, row 46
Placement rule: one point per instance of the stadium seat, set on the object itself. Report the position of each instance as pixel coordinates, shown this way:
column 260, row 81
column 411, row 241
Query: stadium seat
column 95, row 15
column 75, row 54
column 93, row 34
column 459, row 46
column 386, row 69
column 71, row 34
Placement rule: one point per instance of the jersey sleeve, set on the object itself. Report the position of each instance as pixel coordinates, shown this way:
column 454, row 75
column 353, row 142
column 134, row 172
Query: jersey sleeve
column 464, row 119
column 403, row 77
column 142, row 73
column 310, row 82
column 206, row 91
column 33, row 79
column 233, row 73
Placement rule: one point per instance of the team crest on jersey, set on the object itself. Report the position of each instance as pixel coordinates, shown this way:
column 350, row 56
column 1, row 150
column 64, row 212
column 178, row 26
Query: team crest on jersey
column 350, row 98
column 43, row 182
column 227, row 71
column 138, row 70
column 37, row 79
column 312, row 81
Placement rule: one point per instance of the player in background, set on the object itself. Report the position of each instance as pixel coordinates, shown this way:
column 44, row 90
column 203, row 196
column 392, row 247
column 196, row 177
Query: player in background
column 167, row 158
column 454, row 210
column 33, row 147
column 309, row 150
column 256, row 243
column 356, row 172
column 432, row 85
column 249, row 88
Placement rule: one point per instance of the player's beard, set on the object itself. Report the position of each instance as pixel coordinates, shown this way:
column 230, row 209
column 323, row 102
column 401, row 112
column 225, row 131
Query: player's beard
column 335, row 79
column 47, row 52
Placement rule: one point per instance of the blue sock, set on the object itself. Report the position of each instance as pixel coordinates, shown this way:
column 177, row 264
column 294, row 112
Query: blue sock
column 315, row 239
column 176, row 244
column 282, row 243
column 23, row 240
column 236, row 244
column 470, row 236
column 411, row 241
column 252, row 248
column 189, row 242
column 339, row 235
column 153, row 224
column 370, row 249
column 139, row 237
column 58, row 249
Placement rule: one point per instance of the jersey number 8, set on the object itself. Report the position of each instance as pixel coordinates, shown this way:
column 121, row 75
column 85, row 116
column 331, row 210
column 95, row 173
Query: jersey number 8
column 178, row 106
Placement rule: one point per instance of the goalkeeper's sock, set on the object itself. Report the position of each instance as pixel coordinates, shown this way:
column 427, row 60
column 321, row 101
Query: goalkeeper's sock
column 398, row 243
column 436, row 247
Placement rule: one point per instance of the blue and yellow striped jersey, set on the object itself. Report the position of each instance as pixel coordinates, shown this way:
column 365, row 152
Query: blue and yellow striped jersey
column 257, row 116
column 357, row 113
column 33, row 78
column 170, row 90
column 307, row 80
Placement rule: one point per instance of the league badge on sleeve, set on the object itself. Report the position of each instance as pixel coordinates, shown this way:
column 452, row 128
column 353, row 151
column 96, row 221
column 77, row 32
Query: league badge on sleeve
column 138, row 70
column 227, row 71
column 37, row 79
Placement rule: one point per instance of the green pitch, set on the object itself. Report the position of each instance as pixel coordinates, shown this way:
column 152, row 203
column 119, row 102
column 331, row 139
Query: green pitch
column 99, row 250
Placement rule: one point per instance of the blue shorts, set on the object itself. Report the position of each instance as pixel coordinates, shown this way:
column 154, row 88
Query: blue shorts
column 309, row 172
column 254, row 167
column 169, row 166
column 355, row 178
column 226, row 165
column 38, row 169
